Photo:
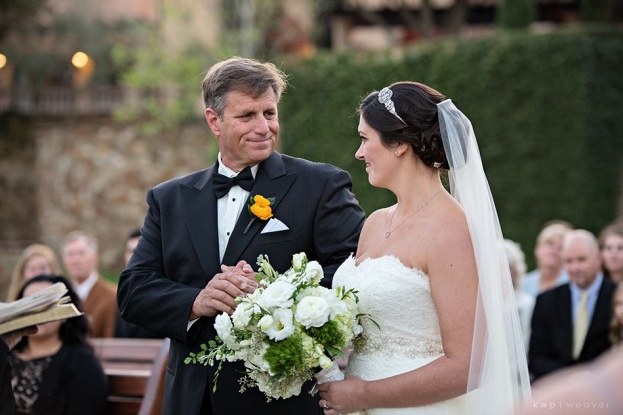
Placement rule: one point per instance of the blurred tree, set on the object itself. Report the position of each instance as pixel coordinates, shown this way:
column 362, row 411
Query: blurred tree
column 598, row 10
column 516, row 14
column 164, row 83
column 250, row 27
column 14, row 13
column 456, row 17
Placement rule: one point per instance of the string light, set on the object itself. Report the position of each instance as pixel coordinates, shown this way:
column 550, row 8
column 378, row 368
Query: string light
column 80, row 59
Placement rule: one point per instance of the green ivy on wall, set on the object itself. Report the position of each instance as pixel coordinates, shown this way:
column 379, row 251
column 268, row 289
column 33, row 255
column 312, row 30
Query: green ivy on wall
column 546, row 109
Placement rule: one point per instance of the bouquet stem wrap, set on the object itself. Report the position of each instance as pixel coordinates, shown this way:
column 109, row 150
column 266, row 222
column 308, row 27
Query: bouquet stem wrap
column 329, row 375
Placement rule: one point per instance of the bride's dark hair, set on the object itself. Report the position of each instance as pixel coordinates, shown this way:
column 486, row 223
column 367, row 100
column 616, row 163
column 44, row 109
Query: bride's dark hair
column 416, row 104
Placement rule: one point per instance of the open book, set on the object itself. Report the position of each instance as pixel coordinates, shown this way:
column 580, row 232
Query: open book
column 43, row 306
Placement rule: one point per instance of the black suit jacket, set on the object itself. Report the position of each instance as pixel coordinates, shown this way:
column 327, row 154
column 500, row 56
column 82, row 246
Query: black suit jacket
column 551, row 339
column 7, row 400
column 178, row 254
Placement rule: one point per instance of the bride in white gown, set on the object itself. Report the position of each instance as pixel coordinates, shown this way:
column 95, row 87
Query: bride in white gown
column 429, row 271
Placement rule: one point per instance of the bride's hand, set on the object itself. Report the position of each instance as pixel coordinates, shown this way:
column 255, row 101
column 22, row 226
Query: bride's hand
column 342, row 396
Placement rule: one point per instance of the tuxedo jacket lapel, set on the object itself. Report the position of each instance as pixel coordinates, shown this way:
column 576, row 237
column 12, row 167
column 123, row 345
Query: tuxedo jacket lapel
column 271, row 182
column 199, row 201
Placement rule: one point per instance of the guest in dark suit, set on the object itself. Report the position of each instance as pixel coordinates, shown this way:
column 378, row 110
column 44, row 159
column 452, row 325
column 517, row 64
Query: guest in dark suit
column 556, row 341
column 199, row 241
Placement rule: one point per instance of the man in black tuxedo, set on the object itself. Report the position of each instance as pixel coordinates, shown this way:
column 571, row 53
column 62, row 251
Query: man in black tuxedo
column 554, row 343
column 199, row 242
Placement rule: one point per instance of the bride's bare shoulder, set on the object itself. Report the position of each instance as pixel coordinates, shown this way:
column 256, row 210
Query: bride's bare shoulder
column 378, row 217
column 450, row 228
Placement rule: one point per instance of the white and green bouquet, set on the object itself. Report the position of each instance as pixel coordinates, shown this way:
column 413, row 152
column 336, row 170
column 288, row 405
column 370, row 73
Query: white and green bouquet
column 286, row 331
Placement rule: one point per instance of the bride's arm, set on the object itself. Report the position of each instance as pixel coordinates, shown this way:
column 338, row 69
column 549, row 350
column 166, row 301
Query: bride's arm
column 453, row 280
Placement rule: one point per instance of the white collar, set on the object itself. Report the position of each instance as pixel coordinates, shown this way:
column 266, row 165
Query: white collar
column 227, row 172
column 85, row 287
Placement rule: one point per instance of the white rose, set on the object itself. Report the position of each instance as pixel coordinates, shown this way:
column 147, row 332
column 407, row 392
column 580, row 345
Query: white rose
column 289, row 276
column 314, row 272
column 265, row 322
column 297, row 261
column 222, row 324
column 282, row 326
column 312, row 311
column 338, row 308
column 242, row 315
column 277, row 295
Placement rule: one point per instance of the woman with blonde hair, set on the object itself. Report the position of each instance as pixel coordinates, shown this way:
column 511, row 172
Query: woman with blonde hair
column 35, row 260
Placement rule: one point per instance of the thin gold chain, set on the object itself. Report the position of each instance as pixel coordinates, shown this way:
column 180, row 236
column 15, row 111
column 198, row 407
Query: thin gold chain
column 390, row 230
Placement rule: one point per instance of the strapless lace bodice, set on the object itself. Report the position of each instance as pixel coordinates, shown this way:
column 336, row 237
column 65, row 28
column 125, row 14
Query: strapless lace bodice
column 398, row 298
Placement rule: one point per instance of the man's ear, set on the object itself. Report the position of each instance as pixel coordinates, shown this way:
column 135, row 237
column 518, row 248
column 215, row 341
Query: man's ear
column 213, row 119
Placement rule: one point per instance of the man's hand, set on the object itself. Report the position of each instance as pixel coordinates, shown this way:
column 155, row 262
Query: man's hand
column 221, row 292
column 12, row 338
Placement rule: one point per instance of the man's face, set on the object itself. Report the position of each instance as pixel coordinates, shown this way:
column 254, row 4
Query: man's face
column 79, row 259
column 249, row 130
column 582, row 261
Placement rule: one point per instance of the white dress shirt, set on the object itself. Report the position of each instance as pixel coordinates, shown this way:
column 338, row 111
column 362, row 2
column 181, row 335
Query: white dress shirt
column 229, row 207
column 84, row 289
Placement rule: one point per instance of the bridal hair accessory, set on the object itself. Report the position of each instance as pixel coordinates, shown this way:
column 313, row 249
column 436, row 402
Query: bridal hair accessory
column 390, row 230
column 436, row 164
column 498, row 380
column 385, row 98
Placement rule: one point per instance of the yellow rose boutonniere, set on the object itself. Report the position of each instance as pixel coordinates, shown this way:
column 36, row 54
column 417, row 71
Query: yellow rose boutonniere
column 260, row 208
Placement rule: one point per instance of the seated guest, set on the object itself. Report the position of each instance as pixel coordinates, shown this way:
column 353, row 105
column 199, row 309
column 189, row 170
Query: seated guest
column 99, row 296
column 524, row 301
column 611, row 243
column 7, row 342
column 570, row 322
column 124, row 328
column 55, row 371
column 616, row 324
column 36, row 259
column 549, row 272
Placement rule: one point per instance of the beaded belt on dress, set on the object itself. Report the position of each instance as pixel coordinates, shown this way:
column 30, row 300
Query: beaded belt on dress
column 395, row 346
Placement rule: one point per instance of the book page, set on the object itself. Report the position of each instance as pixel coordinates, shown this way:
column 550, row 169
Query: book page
column 54, row 312
column 36, row 302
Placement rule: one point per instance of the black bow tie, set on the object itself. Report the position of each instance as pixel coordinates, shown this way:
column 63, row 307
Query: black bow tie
column 222, row 184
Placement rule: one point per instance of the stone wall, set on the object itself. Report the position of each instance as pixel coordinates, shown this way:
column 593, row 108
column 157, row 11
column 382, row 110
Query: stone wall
column 85, row 174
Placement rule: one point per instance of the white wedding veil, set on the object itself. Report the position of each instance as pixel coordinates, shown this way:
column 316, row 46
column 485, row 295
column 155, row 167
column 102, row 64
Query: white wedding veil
column 498, row 382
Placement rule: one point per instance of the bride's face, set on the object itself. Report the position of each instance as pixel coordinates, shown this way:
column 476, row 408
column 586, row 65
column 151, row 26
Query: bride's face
column 378, row 158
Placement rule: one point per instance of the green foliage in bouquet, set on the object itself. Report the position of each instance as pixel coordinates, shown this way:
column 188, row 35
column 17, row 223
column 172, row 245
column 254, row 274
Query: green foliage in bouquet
column 286, row 331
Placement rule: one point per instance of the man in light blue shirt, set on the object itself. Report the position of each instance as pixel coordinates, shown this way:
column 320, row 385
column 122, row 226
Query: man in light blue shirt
column 570, row 322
